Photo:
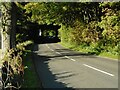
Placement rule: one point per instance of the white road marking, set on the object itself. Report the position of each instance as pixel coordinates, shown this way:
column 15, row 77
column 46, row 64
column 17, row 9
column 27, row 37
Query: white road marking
column 58, row 53
column 83, row 64
column 72, row 59
column 47, row 46
column 51, row 49
column 67, row 57
column 98, row 70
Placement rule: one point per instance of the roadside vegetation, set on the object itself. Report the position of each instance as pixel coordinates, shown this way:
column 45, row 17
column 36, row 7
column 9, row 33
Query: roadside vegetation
column 89, row 51
column 31, row 79
column 91, row 27
column 17, row 66
column 0, row 55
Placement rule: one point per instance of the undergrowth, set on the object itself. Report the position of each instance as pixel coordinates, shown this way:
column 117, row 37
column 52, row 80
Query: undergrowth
column 91, row 50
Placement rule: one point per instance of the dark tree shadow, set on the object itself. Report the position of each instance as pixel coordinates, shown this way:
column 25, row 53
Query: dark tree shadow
column 46, row 76
column 69, row 52
column 46, row 39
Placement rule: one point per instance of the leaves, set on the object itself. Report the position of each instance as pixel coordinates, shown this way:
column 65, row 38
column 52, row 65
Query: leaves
column 81, row 22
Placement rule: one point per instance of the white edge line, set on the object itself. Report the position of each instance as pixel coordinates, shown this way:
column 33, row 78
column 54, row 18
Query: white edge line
column 98, row 70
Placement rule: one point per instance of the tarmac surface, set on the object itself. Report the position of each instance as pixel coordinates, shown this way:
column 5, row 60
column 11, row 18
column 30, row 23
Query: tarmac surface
column 59, row 67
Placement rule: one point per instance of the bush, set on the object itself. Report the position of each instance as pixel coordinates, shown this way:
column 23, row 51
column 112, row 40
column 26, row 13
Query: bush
column 13, row 68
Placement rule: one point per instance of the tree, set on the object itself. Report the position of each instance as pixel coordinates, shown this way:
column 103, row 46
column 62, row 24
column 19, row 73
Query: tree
column 94, row 23
column 110, row 22
column 8, row 25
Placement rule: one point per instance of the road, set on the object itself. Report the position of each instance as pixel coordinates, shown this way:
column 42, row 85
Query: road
column 59, row 67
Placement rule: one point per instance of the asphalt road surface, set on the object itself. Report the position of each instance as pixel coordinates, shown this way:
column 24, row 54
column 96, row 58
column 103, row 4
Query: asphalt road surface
column 59, row 67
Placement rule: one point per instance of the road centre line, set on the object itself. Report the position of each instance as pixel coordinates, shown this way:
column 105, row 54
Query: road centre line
column 84, row 64
column 51, row 49
column 47, row 46
column 98, row 70
column 67, row 57
column 58, row 53
column 72, row 59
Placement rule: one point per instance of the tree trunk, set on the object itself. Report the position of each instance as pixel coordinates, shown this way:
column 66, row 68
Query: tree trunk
column 8, row 28
column 5, row 31
column 8, row 25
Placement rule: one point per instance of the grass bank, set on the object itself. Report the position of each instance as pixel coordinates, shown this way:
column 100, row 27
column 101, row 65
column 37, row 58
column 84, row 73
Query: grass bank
column 88, row 50
column 31, row 80
column 0, row 56
column 0, row 52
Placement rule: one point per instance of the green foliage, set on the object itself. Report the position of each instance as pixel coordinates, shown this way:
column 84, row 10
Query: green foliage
column 13, row 68
column 21, row 46
column 65, row 13
column 110, row 24
column 97, row 36
column 77, row 33
column 49, row 33
column 92, row 25
column 29, row 72
column 64, row 33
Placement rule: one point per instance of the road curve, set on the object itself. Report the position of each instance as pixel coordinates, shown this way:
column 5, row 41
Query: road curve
column 59, row 67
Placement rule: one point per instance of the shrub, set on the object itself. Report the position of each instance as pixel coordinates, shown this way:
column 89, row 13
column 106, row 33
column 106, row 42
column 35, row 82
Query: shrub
column 13, row 68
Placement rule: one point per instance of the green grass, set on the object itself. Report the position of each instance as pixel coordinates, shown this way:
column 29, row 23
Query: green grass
column 0, row 52
column 87, row 50
column 109, row 55
column 31, row 79
column 0, row 56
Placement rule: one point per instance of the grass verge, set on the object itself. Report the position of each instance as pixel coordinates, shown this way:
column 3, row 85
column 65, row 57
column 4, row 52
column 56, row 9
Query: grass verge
column 87, row 50
column 0, row 52
column 0, row 56
column 31, row 79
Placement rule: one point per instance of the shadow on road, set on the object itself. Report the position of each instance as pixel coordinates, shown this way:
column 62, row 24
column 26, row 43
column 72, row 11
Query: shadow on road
column 48, row 79
column 75, row 52
column 46, row 76
column 47, row 39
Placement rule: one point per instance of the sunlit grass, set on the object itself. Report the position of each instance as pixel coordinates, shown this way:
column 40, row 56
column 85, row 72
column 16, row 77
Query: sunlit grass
column 87, row 50
column 0, row 55
column 106, row 54
column 30, row 76
column 0, row 51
